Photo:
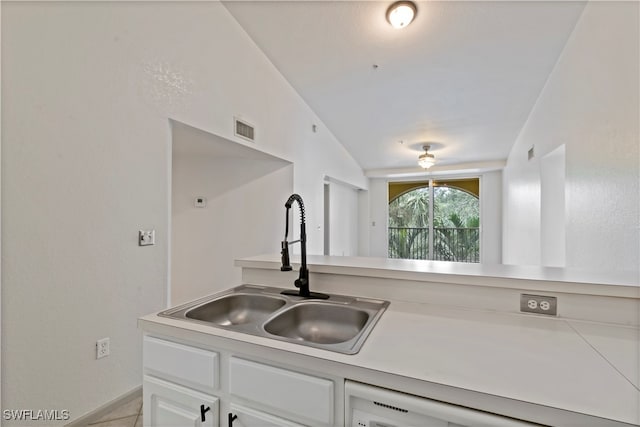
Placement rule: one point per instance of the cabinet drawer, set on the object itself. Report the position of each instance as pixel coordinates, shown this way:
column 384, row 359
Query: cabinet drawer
column 247, row 417
column 298, row 394
column 190, row 366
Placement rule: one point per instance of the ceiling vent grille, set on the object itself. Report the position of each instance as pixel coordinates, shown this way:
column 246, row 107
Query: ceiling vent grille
column 244, row 129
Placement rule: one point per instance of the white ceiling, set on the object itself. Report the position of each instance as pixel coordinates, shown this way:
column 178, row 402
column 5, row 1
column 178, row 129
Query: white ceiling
column 463, row 76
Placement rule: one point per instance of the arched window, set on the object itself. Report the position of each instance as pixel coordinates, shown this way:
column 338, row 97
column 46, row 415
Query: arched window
column 436, row 220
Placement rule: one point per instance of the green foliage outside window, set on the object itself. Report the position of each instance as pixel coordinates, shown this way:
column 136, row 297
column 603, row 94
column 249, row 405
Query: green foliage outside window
column 456, row 221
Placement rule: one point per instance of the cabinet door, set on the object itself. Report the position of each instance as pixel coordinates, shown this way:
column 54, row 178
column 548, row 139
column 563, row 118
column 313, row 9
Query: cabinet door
column 241, row 416
column 170, row 405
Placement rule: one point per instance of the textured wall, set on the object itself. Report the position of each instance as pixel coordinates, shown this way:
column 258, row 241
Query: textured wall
column 590, row 105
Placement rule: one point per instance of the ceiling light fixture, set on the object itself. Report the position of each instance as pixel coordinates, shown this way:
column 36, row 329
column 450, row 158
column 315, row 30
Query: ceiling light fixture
column 426, row 159
column 401, row 13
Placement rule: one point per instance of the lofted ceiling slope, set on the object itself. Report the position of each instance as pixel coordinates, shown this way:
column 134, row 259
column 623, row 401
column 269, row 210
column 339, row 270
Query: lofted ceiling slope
column 463, row 76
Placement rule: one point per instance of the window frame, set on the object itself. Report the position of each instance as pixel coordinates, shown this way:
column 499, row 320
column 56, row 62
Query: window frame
column 429, row 183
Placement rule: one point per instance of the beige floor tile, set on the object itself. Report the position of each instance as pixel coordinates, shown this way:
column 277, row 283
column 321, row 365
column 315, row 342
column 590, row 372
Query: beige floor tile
column 121, row 422
column 125, row 410
column 139, row 422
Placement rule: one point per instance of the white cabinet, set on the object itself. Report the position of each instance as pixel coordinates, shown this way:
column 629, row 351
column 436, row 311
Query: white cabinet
column 190, row 366
column 305, row 396
column 190, row 386
column 169, row 405
column 179, row 385
column 241, row 416
column 183, row 383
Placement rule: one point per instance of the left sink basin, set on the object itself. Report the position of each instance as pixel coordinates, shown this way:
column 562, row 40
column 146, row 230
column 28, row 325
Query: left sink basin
column 243, row 309
column 236, row 309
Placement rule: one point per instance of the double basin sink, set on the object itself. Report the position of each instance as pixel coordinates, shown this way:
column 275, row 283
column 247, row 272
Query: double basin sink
column 339, row 323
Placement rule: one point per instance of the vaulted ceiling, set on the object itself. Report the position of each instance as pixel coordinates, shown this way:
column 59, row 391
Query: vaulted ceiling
column 463, row 76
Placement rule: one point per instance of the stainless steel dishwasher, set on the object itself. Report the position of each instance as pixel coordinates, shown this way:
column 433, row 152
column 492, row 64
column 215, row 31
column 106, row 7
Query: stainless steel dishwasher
column 369, row 406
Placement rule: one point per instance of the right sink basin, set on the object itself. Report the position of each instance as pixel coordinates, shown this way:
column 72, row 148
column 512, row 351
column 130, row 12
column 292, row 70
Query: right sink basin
column 318, row 322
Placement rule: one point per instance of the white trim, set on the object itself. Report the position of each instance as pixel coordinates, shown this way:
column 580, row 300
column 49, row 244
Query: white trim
column 480, row 222
column 430, row 230
column 474, row 168
column 0, row 216
column 332, row 180
column 167, row 298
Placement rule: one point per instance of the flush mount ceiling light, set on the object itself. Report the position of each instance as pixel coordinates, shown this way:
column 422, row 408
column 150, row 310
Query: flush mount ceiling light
column 426, row 159
column 401, row 13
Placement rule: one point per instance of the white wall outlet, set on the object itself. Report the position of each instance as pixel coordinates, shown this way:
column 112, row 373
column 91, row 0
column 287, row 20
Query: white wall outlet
column 146, row 237
column 102, row 348
column 200, row 202
column 539, row 304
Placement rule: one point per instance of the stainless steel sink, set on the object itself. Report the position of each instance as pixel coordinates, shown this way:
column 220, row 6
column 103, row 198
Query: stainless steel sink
column 340, row 323
column 236, row 309
column 318, row 323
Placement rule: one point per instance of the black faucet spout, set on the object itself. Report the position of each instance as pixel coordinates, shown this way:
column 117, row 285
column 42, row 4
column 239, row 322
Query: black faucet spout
column 302, row 283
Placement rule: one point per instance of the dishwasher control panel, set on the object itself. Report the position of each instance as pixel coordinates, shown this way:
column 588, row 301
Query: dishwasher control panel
column 369, row 406
column 368, row 419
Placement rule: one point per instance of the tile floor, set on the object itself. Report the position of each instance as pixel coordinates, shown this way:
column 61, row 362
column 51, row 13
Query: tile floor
column 128, row 414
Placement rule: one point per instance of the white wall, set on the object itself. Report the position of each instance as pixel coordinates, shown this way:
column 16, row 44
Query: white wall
column 87, row 90
column 245, row 191
column 0, row 214
column 589, row 104
column 521, row 213
column 84, row 167
column 364, row 224
column 343, row 220
column 378, row 219
column 318, row 160
column 552, row 208
column 491, row 217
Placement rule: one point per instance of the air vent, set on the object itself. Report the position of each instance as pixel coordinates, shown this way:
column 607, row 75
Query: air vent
column 394, row 408
column 530, row 153
column 244, row 130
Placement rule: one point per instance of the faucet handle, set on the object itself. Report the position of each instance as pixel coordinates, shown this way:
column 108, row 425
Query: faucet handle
column 286, row 263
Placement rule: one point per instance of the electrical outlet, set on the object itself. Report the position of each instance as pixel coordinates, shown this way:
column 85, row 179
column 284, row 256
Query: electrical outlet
column 539, row 304
column 146, row 237
column 102, row 348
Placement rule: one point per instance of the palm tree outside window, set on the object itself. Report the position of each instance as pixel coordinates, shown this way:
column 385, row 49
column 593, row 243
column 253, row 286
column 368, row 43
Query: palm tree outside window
column 435, row 220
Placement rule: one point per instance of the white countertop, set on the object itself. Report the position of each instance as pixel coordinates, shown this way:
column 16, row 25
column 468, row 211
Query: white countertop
column 582, row 367
column 616, row 283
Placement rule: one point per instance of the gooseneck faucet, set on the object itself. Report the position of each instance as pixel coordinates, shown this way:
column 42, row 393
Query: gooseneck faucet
column 302, row 282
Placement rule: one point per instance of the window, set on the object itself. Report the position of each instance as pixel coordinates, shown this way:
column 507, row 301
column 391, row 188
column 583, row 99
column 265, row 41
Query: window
column 436, row 220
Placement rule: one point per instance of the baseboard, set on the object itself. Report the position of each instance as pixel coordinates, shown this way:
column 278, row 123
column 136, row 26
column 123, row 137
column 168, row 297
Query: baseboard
column 105, row 409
